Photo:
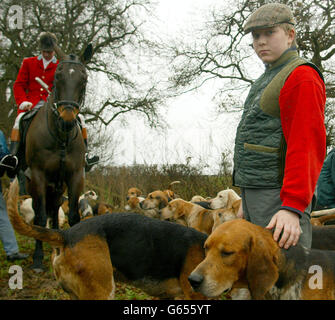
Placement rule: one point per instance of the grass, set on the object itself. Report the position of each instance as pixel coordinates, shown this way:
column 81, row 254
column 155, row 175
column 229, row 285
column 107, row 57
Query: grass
column 111, row 185
column 43, row 286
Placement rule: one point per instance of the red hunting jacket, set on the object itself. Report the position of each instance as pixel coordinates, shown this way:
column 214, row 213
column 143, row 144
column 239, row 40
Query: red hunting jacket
column 26, row 88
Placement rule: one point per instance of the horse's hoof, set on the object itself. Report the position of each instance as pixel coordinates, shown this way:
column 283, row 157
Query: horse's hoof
column 37, row 269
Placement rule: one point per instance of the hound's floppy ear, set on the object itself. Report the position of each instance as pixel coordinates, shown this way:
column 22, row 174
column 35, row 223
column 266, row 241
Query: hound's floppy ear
column 179, row 212
column 236, row 205
column 162, row 203
column 262, row 270
column 87, row 55
column 231, row 200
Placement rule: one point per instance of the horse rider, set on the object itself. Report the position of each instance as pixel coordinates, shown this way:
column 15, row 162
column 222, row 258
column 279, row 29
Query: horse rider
column 29, row 93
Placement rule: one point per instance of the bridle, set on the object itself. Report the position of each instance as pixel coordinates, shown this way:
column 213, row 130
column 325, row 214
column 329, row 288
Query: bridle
column 67, row 103
column 64, row 128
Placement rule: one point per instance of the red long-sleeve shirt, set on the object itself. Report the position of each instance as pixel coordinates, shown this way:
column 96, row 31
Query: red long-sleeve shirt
column 302, row 104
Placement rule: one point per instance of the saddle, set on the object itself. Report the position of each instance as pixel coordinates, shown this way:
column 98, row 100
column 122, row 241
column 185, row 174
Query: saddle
column 25, row 122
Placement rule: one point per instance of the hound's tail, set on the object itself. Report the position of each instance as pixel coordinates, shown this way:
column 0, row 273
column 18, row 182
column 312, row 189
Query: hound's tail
column 172, row 183
column 53, row 237
column 326, row 218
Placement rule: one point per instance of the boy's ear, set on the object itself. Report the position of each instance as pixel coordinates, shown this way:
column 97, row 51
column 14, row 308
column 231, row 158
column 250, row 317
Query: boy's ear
column 291, row 35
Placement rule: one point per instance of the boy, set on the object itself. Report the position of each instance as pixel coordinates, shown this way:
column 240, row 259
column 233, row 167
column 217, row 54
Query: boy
column 280, row 141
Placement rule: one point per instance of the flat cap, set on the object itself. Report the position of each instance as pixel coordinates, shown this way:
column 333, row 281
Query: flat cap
column 269, row 15
column 47, row 41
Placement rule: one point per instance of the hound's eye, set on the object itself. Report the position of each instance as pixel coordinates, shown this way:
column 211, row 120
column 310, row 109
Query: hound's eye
column 226, row 253
column 158, row 197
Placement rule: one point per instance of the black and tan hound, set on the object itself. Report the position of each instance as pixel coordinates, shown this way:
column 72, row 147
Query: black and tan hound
column 240, row 252
column 156, row 256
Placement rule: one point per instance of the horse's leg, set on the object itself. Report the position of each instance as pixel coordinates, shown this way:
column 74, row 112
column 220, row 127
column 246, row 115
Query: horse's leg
column 53, row 207
column 75, row 188
column 37, row 191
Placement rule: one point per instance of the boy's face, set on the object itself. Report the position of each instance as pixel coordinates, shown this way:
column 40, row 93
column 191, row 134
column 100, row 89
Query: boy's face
column 270, row 43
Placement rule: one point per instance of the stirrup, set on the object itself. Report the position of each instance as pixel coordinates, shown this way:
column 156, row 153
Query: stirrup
column 10, row 164
column 90, row 162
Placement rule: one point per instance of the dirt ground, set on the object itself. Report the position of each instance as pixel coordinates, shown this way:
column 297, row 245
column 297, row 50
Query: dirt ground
column 43, row 286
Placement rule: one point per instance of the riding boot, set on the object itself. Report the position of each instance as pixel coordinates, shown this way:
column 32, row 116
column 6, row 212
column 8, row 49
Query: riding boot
column 14, row 142
column 10, row 161
column 89, row 162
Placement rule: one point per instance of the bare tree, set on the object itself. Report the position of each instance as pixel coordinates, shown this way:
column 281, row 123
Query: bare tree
column 223, row 52
column 114, row 27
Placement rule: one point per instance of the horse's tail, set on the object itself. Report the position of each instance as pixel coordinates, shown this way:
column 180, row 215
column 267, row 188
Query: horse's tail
column 53, row 237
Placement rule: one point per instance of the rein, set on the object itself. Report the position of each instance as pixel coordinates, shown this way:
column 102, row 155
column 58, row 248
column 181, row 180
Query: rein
column 63, row 139
column 62, row 134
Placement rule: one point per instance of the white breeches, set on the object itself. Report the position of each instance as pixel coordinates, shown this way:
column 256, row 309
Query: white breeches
column 40, row 104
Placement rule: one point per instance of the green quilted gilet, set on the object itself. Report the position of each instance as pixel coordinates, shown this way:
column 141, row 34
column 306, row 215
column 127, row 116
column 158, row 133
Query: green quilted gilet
column 260, row 147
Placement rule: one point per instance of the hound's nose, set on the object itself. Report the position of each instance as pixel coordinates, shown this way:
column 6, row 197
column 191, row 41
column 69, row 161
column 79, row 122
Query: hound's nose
column 195, row 280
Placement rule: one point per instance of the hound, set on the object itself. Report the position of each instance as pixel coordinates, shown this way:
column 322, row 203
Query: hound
column 102, row 208
column 169, row 192
column 133, row 200
column 226, row 199
column 133, row 203
column 239, row 251
column 323, row 237
column 84, row 208
column 90, row 194
column 133, row 192
column 155, row 202
column 27, row 211
column 84, row 204
column 195, row 216
column 320, row 221
column 156, row 256
column 198, row 198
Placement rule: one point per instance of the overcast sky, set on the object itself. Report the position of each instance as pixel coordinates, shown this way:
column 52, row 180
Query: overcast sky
column 195, row 130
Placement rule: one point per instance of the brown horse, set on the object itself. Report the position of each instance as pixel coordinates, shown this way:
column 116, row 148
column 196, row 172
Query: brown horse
column 55, row 149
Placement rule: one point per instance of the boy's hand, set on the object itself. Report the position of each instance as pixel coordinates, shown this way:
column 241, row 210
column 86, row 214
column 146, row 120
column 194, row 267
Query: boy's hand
column 288, row 222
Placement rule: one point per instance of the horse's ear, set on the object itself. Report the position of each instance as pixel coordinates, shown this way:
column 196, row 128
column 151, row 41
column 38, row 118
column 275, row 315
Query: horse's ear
column 87, row 55
column 59, row 53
